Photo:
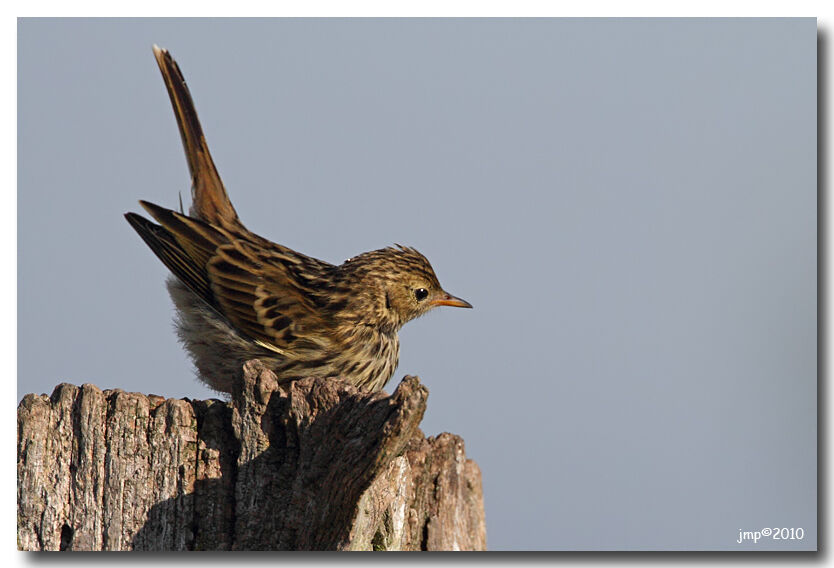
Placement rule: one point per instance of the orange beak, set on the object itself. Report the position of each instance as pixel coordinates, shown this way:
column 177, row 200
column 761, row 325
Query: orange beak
column 445, row 299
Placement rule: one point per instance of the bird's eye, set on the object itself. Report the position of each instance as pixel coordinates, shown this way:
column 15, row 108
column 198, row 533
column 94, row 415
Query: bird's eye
column 421, row 294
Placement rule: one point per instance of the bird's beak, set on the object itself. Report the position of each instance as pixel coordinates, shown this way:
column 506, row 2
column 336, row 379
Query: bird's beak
column 444, row 299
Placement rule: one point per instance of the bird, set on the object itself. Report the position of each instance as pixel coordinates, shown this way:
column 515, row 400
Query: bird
column 239, row 296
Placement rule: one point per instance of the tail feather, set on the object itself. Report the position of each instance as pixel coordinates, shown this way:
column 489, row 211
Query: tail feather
column 210, row 201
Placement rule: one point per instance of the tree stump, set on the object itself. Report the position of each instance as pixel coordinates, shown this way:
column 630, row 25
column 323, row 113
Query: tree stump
column 310, row 465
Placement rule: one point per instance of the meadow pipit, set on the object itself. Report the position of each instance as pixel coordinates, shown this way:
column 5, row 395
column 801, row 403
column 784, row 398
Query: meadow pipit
column 240, row 296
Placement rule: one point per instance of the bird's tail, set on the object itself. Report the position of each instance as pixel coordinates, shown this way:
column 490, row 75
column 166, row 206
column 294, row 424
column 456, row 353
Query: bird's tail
column 210, row 202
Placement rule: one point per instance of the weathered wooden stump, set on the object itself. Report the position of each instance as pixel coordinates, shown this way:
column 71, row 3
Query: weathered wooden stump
column 310, row 465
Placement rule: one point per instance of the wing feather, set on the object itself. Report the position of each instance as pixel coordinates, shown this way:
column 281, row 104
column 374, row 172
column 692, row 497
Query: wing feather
column 266, row 291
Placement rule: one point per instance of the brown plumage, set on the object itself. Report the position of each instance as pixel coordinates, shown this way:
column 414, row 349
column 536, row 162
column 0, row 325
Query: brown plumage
column 240, row 296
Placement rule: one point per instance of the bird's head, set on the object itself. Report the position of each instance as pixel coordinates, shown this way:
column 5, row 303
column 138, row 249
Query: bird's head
column 402, row 284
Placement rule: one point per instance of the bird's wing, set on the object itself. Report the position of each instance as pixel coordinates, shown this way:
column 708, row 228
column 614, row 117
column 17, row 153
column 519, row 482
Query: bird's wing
column 273, row 295
column 266, row 291
column 184, row 264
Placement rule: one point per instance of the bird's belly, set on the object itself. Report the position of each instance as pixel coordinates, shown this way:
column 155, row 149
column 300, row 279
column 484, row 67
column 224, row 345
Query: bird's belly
column 216, row 348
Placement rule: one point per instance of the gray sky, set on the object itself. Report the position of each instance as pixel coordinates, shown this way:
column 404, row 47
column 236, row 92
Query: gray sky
column 629, row 204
